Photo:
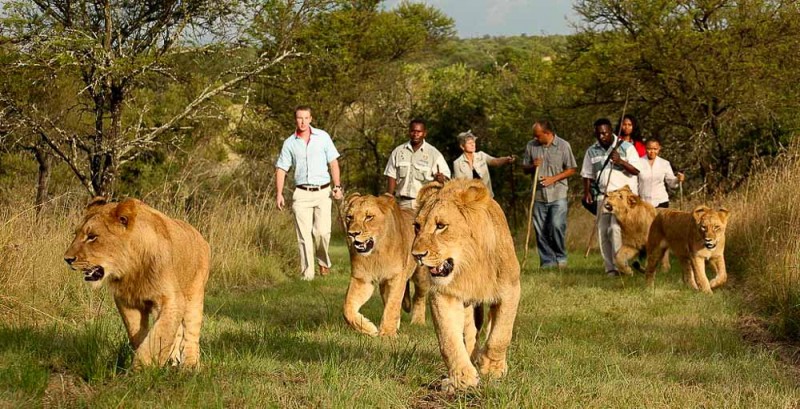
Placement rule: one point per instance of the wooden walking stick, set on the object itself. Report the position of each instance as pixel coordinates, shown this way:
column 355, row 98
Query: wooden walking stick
column 530, row 213
column 680, row 191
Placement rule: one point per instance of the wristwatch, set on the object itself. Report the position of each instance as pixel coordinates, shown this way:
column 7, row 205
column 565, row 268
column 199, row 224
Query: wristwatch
column 337, row 187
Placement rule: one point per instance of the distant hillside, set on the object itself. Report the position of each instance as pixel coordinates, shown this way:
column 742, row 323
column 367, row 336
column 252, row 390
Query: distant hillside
column 482, row 53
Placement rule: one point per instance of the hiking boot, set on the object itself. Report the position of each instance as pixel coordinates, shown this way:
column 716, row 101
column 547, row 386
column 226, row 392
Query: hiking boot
column 323, row 271
column 613, row 273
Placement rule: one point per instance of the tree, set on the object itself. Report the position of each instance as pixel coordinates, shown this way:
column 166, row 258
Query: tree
column 716, row 79
column 114, row 48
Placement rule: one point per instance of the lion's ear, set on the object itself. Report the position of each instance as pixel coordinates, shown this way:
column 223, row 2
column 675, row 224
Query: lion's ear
column 626, row 188
column 387, row 199
column 699, row 211
column 97, row 201
column 723, row 214
column 349, row 200
column 427, row 192
column 633, row 200
column 125, row 213
column 475, row 192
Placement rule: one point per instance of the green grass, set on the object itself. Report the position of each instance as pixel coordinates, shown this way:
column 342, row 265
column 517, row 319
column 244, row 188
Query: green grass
column 581, row 340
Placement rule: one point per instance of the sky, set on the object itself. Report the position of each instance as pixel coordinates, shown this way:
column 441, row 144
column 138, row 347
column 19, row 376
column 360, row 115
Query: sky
column 475, row 18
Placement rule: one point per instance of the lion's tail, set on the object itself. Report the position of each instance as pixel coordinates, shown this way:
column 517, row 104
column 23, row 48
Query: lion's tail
column 407, row 297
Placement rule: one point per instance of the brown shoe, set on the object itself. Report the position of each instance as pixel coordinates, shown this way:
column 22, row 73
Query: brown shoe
column 323, row 271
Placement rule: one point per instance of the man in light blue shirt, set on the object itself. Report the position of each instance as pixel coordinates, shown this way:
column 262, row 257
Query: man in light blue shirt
column 310, row 151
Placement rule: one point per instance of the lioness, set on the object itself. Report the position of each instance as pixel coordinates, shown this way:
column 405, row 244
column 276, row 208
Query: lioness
column 464, row 241
column 379, row 235
column 152, row 264
column 693, row 238
column 634, row 216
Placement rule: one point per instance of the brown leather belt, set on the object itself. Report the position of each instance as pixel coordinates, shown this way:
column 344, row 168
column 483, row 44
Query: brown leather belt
column 312, row 188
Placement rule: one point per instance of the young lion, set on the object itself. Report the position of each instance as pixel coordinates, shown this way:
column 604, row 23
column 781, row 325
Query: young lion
column 152, row 264
column 634, row 216
column 380, row 236
column 693, row 238
column 464, row 241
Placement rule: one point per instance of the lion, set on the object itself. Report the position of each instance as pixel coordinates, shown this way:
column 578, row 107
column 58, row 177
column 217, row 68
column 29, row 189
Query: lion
column 693, row 238
column 151, row 264
column 379, row 235
column 634, row 216
column 463, row 239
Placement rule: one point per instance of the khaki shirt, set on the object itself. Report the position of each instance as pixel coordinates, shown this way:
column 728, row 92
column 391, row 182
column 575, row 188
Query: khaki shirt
column 480, row 161
column 412, row 170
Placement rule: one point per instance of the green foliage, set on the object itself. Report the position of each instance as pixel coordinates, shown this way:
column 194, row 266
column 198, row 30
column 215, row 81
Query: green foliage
column 713, row 79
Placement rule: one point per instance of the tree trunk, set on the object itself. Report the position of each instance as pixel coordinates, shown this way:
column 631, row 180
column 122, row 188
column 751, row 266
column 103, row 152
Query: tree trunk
column 43, row 181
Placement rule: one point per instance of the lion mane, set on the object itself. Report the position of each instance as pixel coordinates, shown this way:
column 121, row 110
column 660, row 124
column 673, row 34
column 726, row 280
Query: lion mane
column 634, row 216
column 379, row 236
column 152, row 264
column 693, row 237
column 463, row 239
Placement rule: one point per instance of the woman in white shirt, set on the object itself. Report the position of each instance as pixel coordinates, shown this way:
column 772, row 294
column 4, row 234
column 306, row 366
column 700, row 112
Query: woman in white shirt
column 656, row 176
column 475, row 165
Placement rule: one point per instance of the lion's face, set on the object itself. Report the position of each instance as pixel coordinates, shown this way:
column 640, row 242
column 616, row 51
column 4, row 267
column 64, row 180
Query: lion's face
column 711, row 225
column 618, row 201
column 100, row 241
column 365, row 218
column 445, row 237
column 440, row 233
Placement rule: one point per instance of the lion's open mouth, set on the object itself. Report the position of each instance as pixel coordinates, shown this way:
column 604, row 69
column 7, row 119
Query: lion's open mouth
column 94, row 273
column 710, row 245
column 442, row 270
column 364, row 246
column 609, row 207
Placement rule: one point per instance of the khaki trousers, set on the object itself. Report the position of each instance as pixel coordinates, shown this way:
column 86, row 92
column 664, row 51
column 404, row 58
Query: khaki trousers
column 312, row 221
column 407, row 204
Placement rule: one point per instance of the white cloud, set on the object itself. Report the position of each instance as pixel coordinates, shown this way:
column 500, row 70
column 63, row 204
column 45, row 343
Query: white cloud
column 498, row 10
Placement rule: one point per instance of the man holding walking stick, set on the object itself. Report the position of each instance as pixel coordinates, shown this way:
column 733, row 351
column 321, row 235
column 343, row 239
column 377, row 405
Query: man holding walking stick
column 609, row 164
column 552, row 157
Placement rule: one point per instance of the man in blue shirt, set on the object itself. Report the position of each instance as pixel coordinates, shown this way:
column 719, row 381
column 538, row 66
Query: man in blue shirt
column 310, row 151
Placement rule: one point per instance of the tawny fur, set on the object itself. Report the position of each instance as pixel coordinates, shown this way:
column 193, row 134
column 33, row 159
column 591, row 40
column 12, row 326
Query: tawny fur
column 153, row 265
column 634, row 216
column 686, row 235
column 460, row 220
column 389, row 264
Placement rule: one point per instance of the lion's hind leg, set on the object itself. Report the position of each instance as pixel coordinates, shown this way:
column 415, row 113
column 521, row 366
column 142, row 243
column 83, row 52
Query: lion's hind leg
column 656, row 251
column 358, row 294
column 192, row 323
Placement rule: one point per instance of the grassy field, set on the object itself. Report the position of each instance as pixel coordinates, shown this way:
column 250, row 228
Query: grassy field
column 581, row 340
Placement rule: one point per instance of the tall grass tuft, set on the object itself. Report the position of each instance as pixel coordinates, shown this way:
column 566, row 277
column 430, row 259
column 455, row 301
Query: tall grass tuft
column 763, row 244
column 253, row 245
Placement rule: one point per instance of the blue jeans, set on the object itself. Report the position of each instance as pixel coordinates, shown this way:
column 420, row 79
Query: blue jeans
column 550, row 222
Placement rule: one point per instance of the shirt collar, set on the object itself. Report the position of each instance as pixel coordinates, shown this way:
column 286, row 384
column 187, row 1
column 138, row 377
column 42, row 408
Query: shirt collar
column 311, row 128
column 422, row 147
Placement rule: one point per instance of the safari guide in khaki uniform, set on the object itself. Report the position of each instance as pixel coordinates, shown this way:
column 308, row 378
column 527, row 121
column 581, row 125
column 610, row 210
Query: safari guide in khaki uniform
column 311, row 152
column 413, row 164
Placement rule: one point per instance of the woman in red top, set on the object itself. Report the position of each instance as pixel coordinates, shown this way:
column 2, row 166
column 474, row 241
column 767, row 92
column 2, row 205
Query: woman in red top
column 629, row 132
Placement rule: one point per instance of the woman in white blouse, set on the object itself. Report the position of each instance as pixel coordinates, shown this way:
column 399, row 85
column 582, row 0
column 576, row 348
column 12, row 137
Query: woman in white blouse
column 656, row 176
column 475, row 165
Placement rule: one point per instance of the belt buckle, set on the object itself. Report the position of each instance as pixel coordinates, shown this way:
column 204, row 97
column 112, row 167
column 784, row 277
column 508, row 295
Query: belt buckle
column 314, row 189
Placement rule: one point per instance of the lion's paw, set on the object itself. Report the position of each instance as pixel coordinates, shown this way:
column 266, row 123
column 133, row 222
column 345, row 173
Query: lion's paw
column 388, row 332
column 495, row 369
column 459, row 379
column 418, row 320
